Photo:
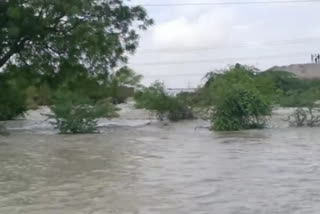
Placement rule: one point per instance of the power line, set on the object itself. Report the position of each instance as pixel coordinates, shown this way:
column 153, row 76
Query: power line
column 228, row 3
column 217, row 60
column 175, row 75
column 199, row 49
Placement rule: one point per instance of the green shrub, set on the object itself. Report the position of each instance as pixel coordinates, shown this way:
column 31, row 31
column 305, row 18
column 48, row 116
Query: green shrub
column 300, row 98
column 290, row 90
column 155, row 99
column 240, row 108
column 12, row 102
column 178, row 110
column 74, row 113
column 190, row 98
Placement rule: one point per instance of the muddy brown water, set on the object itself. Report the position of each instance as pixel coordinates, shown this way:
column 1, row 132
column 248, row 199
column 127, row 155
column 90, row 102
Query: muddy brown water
column 171, row 169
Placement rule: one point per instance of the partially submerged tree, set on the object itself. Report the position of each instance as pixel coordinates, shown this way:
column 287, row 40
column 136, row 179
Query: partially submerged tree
column 240, row 108
column 125, row 76
column 122, row 79
column 74, row 113
column 308, row 116
column 164, row 106
column 219, row 83
column 236, row 100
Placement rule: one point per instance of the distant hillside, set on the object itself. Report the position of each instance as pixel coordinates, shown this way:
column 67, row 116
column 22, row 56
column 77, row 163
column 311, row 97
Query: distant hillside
column 303, row 71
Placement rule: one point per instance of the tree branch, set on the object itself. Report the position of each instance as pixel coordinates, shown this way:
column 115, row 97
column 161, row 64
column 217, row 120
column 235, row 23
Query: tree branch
column 16, row 48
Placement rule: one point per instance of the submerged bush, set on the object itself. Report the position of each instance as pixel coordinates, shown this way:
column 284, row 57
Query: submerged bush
column 12, row 102
column 309, row 116
column 74, row 113
column 178, row 110
column 155, row 99
column 240, row 108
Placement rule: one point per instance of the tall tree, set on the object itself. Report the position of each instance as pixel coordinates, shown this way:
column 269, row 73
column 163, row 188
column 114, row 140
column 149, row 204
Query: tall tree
column 125, row 76
column 51, row 36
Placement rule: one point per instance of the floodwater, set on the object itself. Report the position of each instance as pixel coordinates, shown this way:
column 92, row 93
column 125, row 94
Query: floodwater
column 159, row 169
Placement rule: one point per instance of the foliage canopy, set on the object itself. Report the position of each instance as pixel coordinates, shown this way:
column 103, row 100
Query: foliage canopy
column 72, row 45
column 54, row 36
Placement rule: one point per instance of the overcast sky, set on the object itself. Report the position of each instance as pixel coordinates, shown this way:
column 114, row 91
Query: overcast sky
column 187, row 42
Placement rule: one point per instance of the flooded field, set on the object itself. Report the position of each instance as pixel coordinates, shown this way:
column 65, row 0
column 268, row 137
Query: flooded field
column 157, row 169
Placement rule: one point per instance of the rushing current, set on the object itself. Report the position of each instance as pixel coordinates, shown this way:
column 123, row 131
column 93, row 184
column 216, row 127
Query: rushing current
column 161, row 169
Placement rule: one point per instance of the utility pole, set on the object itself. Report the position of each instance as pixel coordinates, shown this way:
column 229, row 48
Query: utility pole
column 189, row 85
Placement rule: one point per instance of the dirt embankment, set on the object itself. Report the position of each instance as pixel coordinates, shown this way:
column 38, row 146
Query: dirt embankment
column 303, row 71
